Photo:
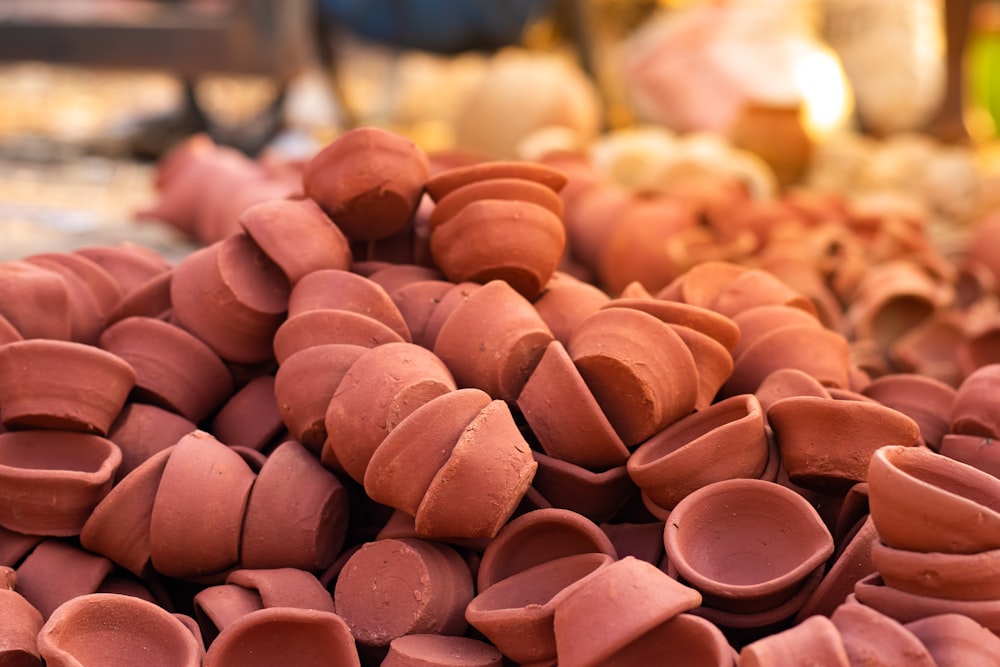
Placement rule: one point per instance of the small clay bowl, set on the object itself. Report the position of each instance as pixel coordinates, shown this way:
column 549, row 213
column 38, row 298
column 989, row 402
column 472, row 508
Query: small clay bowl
column 871, row 637
column 853, row 563
column 268, row 637
column 974, row 450
column 816, row 637
column 129, row 264
column 925, row 400
column 785, row 383
column 35, row 301
column 19, row 626
column 449, row 180
column 116, row 630
column 686, row 638
column 596, row 495
column 150, row 299
column 141, row 431
column 58, row 571
column 328, row 327
column 416, row 302
column 714, row 362
column 52, row 384
column 86, row 319
column 956, row 640
column 509, row 189
column 565, row 302
column 440, row 651
column 8, row 334
column 724, row 441
column 973, row 577
column 922, row 501
column 753, row 323
column 50, row 481
column 974, row 412
column 331, row 289
column 822, row 353
column 250, row 418
column 755, row 287
column 747, row 545
column 106, row 290
column 907, row 607
column 395, row 276
column 719, row 327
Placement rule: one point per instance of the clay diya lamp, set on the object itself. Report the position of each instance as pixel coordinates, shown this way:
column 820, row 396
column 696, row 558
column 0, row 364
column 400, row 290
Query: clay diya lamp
column 565, row 417
column 141, row 431
column 52, row 384
column 615, row 607
column 688, row 639
column 925, row 400
column 826, row 444
column 56, row 572
column 378, row 391
column 296, row 515
column 755, row 287
column 753, row 323
column 974, row 411
column 747, row 545
column 517, row 613
column 973, row 450
column 416, row 302
column 250, row 418
column 871, row 637
column 86, row 319
column 785, row 383
column 174, row 369
column 590, row 219
column 596, row 495
column 202, row 479
column 129, row 264
column 35, row 301
column 8, row 334
column 217, row 607
column 537, row 537
column 702, row 284
column 328, row 327
column 151, row 299
column 369, row 181
column 19, row 626
column 504, row 189
column 895, row 297
column 922, row 501
column 331, row 289
column 15, row 546
column 297, row 235
column 816, row 637
column 396, row 276
column 50, row 481
column 908, row 607
column 390, row 588
column 724, row 441
column 116, row 630
column 565, row 302
column 851, row 565
column 284, row 587
column 708, row 322
column 446, row 305
column 119, row 526
column 972, row 577
column 639, row 370
column 101, row 284
column 440, row 651
column 492, row 340
column 444, row 182
column 232, row 297
column 953, row 640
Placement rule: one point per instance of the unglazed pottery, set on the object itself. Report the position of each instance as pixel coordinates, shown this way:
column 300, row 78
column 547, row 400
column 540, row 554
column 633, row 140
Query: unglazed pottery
column 142, row 431
column 445, row 182
column 596, row 495
column 331, row 289
column 686, row 638
column 785, row 383
column 428, row 650
column 872, row 638
column 150, row 299
column 19, row 626
column 508, row 189
column 417, row 302
column 327, row 327
column 52, row 384
column 250, row 418
column 977, row 451
column 217, row 607
column 940, row 575
column 566, row 301
column 973, row 412
column 35, row 301
column 56, row 572
column 927, row 401
column 907, row 607
column 954, row 640
column 129, row 264
column 822, row 353
column 116, row 630
column 816, row 637
column 50, row 481
column 86, row 318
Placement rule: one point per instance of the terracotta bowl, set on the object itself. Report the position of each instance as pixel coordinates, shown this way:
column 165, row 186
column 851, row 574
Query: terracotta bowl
column 507, row 189
column 753, row 323
column 940, row 575
column 686, row 638
column 86, row 318
column 973, row 412
column 129, row 264
column 908, row 607
column 50, row 481
column 116, row 630
column 449, row 180
column 428, row 650
column 141, row 431
column 331, row 289
column 51, row 384
column 416, row 302
column 596, row 495
column 922, row 501
column 328, row 327
column 57, row 571
column 23, row 288
column 871, row 636
column 150, row 299
column 816, row 637
column 19, row 626
column 822, row 353
column 746, row 544
column 954, row 639
column 974, row 450
column 250, row 418
column 105, row 289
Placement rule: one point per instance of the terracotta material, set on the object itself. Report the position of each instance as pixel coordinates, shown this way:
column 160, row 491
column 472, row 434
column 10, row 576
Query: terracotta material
column 105, row 289
column 686, row 638
column 537, row 537
column 129, row 264
column 639, row 370
column 8, row 334
column 565, row 302
column 19, row 626
column 758, row 321
column 51, row 384
column 86, row 319
column 341, row 290
column 446, row 305
column 853, row 563
column 250, row 417
column 973, row 412
column 932, row 349
column 142, row 431
column 714, row 362
column 940, row 575
column 590, row 219
column 872, row 638
column 150, row 299
column 755, row 287
column 894, row 297
column 816, row 637
column 203, row 478
column 508, row 189
column 826, row 444
column 56, row 572
column 116, row 630
column 390, row 588
column 596, row 495
column 922, row 501
column 747, row 545
column 925, row 400
column 232, row 297
column 327, row 327
column 564, row 415
column 174, row 369
column 417, row 302
column 46, row 313
column 954, row 640
column 440, row 651
column 296, row 515
column 15, row 546
column 297, row 236
column 974, row 450
column 702, row 284
column 822, row 353
column 785, row 383
column 492, row 340
column 614, row 607
column 907, row 607
column 444, row 182
column 724, row 441
column 395, row 276
column 517, row 613
column 284, row 587
column 642, row 540
column 217, row 607
column 50, row 481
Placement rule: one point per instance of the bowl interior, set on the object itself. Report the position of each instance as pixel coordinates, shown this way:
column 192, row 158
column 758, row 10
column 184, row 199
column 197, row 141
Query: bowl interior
column 951, row 477
column 41, row 450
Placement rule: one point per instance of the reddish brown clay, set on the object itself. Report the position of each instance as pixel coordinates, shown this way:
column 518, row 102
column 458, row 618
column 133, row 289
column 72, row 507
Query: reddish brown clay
column 443, row 183
column 141, row 431
column 440, row 651
column 974, row 450
column 940, row 575
column 565, row 302
column 56, row 572
column 955, row 640
column 973, row 412
column 327, row 327
column 330, row 289
column 35, row 301
column 872, row 638
column 19, row 626
column 816, row 637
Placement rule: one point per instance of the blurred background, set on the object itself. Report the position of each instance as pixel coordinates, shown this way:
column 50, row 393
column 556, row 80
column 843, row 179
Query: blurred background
column 837, row 95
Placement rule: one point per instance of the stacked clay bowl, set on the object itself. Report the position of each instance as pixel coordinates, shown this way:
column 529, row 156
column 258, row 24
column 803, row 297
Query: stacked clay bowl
column 385, row 418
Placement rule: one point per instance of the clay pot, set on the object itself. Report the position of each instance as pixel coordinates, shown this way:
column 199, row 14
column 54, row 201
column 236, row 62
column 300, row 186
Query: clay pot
column 129, row 264
column 304, row 385
column 492, row 340
column 873, row 638
column 639, row 370
column 940, row 575
column 390, row 588
column 778, row 537
column 851, row 565
column 56, row 572
column 686, row 638
column 821, row 353
column 724, row 441
column 8, row 334
column 506, row 189
column 396, row 276
column 925, row 400
column 445, row 182
column 907, row 607
column 590, row 219
column 342, row 290
column 19, row 626
column 35, row 301
column 537, row 537
column 973, row 412
column 752, row 288
column 328, row 327
column 250, row 418
column 894, row 297
column 564, row 415
column 369, row 181
column 150, row 299
column 203, row 478
column 775, row 132
column 297, row 236
column 101, row 284
column 953, row 640
column 417, row 302
column 86, row 319
column 516, row 614
column 217, row 607
column 52, row 384
column 826, row 444
column 785, row 383
column 232, row 297
column 296, row 515
column 283, row 587
column 614, row 607
column 756, row 322
column 50, row 481
column 702, row 284
column 141, row 431
column 440, row 651
column 719, row 327
column 973, row 450
column 565, row 302
column 116, row 630
column 922, row 501
column 15, row 546
column 174, row 369
column 816, row 637
column 597, row 496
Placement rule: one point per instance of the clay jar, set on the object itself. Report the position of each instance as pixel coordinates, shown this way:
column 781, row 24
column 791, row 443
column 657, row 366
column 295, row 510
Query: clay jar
column 50, row 481
column 974, row 411
column 174, row 369
column 232, row 297
column 724, row 441
column 440, row 651
column 369, row 181
column 940, row 575
column 116, row 630
column 51, row 384
column 922, row 501
column 826, row 443
column 747, row 545
column 395, row 587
